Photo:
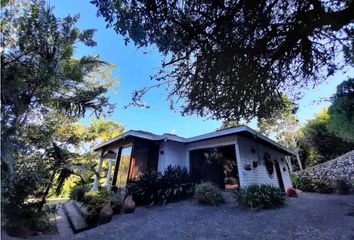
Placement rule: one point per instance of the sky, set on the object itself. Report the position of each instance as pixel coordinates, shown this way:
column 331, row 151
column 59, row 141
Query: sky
column 134, row 67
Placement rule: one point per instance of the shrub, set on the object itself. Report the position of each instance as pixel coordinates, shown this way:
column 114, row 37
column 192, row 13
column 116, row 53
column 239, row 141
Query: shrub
column 207, row 193
column 27, row 220
column 291, row 192
column 303, row 183
column 260, row 196
column 343, row 186
column 77, row 193
column 146, row 188
column 154, row 188
column 94, row 201
column 177, row 183
column 322, row 186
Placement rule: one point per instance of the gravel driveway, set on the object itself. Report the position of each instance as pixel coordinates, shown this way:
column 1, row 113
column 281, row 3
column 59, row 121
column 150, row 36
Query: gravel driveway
column 311, row 216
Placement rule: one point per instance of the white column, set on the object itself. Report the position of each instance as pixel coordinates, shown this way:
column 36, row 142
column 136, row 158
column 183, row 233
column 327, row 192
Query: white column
column 96, row 182
column 239, row 164
column 107, row 183
column 288, row 160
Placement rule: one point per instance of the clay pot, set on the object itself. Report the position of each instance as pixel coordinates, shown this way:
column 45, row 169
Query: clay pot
column 105, row 215
column 247, row 167
column 129, row 204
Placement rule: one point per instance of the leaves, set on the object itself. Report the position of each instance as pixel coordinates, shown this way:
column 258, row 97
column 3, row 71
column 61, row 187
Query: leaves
column 341, row 112
column 235, row 59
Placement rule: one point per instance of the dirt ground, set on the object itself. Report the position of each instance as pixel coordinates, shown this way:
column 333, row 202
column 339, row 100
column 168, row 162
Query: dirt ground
column 311, row 216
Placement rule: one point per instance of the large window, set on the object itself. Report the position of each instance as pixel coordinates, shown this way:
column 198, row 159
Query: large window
column 124, row 164
column 217, row 165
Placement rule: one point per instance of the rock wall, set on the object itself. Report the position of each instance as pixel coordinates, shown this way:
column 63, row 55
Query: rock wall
column 341, row 167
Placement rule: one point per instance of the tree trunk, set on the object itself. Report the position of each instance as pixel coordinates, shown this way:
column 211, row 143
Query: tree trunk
column 45, row 194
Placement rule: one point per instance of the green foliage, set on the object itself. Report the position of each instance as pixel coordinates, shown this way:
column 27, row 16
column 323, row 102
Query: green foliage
column 233, row 59
column 343, row 186
column 302, row 183
column 94, row 201
column 319, row 144
column 153, row 187
column 229, row 124
column 260, row 196
column 45, row 90
column 322, row 186
column 341, row 112
column 77, row 193
column 25, row 221
column 207, row 193
column 307, row 184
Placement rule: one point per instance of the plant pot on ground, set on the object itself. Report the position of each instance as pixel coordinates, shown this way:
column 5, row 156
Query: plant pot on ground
column 129, row 204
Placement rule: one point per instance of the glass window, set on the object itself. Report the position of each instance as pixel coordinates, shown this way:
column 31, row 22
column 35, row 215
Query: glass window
column 123, row 170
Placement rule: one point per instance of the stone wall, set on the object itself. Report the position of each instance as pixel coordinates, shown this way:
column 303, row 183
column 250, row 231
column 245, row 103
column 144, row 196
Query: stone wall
column 341, row 167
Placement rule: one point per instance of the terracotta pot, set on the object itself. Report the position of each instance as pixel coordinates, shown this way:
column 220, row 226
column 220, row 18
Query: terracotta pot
column 105, row 215
column 129, row 204
column 247, row 167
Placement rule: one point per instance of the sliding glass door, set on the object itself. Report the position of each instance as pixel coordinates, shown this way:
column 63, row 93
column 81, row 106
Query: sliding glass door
column 124, row 164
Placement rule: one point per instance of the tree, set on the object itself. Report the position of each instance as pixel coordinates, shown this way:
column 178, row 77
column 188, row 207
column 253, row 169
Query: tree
column 39, row 73
column 321, row 144
column 226, row 124
column 233, row 59
column 44, row 88
column 285, row 128
column 341, row 112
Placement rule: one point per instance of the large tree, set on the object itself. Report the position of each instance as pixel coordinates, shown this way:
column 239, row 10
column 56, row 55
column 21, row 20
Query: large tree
column 44, row 88
column 284, row 126
column 319, row 144
column 233, row 59
column 341, row 112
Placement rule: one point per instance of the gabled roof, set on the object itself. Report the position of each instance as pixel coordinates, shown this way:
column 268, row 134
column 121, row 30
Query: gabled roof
column 215, row 134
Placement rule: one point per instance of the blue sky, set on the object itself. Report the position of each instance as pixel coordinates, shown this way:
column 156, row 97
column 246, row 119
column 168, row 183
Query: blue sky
column 133, row 67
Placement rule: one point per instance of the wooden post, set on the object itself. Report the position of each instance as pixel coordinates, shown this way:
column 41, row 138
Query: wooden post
column 298, row 159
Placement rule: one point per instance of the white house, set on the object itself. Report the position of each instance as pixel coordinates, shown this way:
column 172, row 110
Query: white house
column 230, row 158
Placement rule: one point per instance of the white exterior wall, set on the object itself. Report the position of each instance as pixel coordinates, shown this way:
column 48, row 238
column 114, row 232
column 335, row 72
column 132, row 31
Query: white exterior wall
column 174, row 154
column 259, row 175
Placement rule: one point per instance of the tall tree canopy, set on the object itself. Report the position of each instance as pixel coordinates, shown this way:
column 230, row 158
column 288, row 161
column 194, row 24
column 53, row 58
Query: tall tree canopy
column 44, row 91
column 232, row 59
column 319, row 144
column 39, row 73
column 341, row 112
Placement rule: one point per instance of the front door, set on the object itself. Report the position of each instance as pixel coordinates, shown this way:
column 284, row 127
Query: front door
column 279, row 176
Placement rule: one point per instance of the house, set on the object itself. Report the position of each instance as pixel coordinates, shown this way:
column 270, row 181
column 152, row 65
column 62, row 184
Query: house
column 230, row 158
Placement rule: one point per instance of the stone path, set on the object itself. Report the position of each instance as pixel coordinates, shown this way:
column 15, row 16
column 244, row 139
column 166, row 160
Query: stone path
column 311, row 216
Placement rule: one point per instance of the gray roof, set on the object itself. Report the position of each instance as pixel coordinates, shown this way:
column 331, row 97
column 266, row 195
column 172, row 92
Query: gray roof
column 215, row 134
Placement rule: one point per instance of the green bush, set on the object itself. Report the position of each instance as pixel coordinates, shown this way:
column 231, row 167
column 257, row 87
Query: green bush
column 322, row 187
column 343, row 186
column 260, row 196
column 207, row 193
column 155, row 188
column 77, row 193
column 26, row 220
column 176, row 184
column 302, row 183
column 94, row 201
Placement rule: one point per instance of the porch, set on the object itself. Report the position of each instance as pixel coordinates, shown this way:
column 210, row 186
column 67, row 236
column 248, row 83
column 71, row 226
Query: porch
column 126, row 159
